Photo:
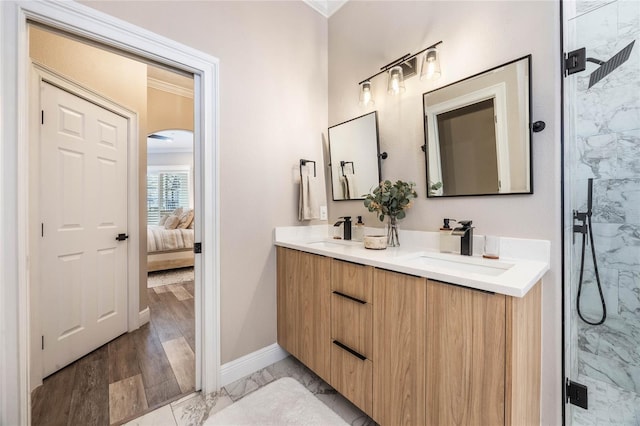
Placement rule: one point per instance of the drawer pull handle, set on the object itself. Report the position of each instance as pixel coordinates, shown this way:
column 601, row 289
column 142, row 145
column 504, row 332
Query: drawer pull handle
column 351, row 351
column 350, row 297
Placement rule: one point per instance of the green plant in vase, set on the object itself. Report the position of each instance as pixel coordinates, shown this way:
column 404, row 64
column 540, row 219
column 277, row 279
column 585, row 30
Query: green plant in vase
column 391, row 199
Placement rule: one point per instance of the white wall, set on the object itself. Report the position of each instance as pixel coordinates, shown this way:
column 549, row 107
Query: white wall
column 170, row 159
column 273, row 111
column 478, row 35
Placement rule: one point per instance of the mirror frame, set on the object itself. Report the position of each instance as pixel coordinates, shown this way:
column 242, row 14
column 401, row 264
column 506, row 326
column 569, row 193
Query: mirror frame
column 529, row 134
column 379, row 159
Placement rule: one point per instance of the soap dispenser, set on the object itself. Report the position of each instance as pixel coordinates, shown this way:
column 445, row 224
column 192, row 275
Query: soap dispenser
column 358, row 230
column 447, row 241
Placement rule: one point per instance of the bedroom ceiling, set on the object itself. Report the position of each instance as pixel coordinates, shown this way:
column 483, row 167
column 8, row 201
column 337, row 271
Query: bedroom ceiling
column 176, row 141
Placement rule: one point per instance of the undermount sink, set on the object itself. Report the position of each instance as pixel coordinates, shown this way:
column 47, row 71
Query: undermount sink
column 468, row 265
column 330, row 244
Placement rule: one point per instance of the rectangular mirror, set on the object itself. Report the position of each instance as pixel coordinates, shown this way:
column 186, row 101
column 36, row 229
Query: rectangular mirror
column 353, row 152
column 478, row 133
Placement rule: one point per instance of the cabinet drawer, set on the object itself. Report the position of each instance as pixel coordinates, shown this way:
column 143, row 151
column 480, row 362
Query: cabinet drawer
column 353, row 378
column 351, row 324
column 352, row 279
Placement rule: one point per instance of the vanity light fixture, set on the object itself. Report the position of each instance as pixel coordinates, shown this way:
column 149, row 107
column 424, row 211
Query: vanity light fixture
column 402, row 68
column 365, row 94
column 430, row 64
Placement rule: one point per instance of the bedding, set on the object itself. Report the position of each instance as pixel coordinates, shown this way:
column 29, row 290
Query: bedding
column 161, row 239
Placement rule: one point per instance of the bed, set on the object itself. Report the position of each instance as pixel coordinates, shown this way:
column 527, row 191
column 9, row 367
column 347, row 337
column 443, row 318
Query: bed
column 170, row 247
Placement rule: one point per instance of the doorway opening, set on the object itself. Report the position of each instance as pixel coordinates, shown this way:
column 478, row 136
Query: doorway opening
column 156, row 363
column 76, row 19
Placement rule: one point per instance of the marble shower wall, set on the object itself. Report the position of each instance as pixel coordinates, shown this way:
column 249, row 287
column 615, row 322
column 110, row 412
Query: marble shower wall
column 605, row 145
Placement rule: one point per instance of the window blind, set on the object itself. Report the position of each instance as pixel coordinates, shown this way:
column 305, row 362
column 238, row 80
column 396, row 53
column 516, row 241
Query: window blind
column 166, row 191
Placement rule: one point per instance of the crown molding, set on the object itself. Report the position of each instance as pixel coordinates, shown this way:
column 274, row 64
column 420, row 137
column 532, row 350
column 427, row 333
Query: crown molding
column 325, row 7
column 154, row 83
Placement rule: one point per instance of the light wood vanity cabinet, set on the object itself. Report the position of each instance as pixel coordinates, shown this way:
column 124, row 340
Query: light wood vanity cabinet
column 412, row 351
column 304, row 308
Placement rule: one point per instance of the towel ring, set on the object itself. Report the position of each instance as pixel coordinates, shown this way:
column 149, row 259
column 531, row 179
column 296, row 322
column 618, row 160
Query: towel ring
column 304, row 162
column 343, row 163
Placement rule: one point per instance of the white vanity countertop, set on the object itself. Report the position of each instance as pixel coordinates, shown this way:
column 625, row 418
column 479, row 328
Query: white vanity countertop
column 522, row 263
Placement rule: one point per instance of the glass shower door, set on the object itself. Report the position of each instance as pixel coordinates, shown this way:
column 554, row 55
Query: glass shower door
column 602, row 152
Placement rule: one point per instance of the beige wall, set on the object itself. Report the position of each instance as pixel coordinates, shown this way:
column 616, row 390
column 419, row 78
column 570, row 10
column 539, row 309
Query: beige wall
column 120, row 79
column 477, row 35
column 273, row 111
column 170, row 159
column 167, row 111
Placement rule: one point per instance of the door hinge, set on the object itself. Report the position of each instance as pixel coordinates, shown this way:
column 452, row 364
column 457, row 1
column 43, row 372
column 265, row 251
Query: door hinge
column 577, row 394
column 575, row 61
column 42, row 116
column 43, row 343
column 197, row 248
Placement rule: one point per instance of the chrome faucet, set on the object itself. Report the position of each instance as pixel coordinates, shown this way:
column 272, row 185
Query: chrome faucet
column 465, row 232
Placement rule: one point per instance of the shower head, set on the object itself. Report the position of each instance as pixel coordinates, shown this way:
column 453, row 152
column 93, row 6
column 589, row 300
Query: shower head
column 607, row 67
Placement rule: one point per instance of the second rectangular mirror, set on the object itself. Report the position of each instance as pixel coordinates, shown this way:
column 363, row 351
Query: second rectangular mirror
column 355, row 163
column 477, row 133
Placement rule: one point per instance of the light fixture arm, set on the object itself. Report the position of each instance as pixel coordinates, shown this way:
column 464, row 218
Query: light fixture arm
column 398, row 61
column 394, row 63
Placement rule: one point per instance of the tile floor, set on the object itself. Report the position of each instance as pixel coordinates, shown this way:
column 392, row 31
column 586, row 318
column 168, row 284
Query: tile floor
column 194, row 409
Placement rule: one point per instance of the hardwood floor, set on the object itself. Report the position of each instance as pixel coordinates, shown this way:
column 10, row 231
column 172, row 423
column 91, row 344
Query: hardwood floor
column 129, row 375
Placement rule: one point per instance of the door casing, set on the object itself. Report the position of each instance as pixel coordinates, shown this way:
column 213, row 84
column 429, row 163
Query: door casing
column 93, row 25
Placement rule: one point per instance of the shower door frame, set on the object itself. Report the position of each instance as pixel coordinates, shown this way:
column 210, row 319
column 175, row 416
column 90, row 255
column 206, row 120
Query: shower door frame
column 564, row 321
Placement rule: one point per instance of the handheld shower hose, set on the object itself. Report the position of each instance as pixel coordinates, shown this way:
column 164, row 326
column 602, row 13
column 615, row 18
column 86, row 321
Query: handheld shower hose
column 585, row 228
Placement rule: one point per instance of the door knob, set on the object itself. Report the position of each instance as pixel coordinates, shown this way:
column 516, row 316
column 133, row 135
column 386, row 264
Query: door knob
column 122, row 237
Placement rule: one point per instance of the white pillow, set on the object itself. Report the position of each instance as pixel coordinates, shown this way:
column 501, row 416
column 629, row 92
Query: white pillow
column 163, row 219
column 171, row 222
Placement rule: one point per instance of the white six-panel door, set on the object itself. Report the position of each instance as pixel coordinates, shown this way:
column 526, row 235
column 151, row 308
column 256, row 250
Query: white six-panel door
column 83, row 205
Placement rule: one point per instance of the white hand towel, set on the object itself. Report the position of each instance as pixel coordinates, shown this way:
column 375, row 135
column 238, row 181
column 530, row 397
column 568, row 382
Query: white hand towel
column 351, row 184
column 345, row 188
column 308, row 205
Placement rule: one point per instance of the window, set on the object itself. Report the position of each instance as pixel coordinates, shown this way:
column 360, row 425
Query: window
column 167, row 189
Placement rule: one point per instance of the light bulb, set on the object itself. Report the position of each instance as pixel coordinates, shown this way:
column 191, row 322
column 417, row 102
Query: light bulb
column 396, row 80
column 430, row 65
column 365, row 94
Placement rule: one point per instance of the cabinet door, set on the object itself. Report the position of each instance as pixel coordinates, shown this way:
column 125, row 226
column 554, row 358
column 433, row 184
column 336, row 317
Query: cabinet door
column 465, row 356
column 314, row 313
column 399, row 316
column 304, row 308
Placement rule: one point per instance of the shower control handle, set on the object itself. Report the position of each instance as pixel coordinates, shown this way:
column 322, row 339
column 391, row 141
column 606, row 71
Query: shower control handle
column 579, row 228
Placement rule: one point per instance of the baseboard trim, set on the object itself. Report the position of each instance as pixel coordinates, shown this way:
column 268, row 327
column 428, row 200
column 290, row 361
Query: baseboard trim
column 144, row 316
column 250, row 363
